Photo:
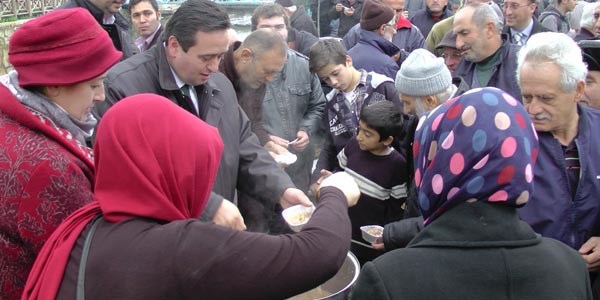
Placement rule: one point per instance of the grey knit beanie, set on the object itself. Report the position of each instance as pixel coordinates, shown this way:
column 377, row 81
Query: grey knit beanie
column 423, row 74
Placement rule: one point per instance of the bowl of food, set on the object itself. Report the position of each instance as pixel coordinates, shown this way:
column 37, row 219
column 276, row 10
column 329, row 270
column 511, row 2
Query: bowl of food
column 372, row 233
column 337, row 287
column 298, row 215
column 286, row 159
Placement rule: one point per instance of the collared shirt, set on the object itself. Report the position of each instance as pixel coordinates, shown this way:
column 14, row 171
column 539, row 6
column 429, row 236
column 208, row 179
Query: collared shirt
column 109, row 20
column 180, row 84
column 525, row 34
column 142, row 43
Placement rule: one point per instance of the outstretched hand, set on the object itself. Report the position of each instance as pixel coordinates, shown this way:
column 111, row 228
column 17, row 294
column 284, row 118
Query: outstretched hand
column 294, row 196
column 345, row 183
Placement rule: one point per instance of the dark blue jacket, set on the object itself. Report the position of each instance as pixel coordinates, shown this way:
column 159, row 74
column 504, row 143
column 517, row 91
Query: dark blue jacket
column 407, row 39
column 552, row 211
column 373, row 54
column 424, row 21
column 504, row 75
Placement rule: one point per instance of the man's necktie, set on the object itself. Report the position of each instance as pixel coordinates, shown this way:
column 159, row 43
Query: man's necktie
column 518, row 38
column 185, row 89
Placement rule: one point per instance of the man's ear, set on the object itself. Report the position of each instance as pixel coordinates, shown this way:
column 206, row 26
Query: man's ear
column 173, row 46
column 430, row 102
column 348, row 61
column 381, row 29
column 247, row 55
column 579, row 90
column 490, row 29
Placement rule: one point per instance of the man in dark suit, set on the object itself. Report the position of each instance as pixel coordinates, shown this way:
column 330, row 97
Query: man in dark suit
column 145, row 18
column 519, row 21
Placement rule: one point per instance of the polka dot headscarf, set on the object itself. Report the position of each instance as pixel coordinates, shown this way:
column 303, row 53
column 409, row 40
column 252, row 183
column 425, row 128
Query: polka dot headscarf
column 480, row 146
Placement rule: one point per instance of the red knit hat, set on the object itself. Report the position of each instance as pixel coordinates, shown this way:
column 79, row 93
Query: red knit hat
column 374, row 14
column 63, row 47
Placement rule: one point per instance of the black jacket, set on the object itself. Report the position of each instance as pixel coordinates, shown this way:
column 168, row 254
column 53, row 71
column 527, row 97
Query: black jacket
column 302, row 22
column 301, row 41
column 476, row 251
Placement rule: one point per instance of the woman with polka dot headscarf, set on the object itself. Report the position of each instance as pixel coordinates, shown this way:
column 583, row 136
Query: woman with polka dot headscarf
column 474, row 158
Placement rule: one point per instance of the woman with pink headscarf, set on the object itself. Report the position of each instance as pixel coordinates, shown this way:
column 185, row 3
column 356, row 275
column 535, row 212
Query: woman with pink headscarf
column 474, row 160
column 141, row 238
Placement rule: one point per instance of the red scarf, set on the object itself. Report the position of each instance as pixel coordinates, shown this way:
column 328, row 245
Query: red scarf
column 403, row 23
column 153, row 160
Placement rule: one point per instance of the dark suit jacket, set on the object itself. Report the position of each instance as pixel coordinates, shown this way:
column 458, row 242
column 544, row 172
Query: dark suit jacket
column 537, row 28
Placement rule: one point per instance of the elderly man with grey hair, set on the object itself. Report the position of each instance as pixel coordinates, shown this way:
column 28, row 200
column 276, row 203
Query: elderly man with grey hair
column 424, row 82
column 565, row 205
column 489, row 60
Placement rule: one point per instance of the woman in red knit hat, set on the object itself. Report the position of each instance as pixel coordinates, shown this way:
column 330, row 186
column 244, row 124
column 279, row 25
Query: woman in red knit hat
column 46, row 170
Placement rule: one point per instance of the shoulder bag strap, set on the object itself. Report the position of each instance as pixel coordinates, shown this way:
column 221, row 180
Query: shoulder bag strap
column 84, row 255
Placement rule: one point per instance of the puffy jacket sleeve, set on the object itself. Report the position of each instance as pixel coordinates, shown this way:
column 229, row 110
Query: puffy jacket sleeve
column 398, row 234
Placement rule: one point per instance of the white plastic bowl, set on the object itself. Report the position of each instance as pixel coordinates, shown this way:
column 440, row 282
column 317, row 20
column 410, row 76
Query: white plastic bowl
column 369, row 235
column 297, row 215
column 286, row 159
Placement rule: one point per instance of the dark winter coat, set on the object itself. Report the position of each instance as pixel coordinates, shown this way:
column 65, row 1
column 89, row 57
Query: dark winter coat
column 488, row 254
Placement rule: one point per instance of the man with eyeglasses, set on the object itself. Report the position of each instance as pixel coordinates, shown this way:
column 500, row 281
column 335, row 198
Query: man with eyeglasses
column 184, row 69
column 519, row 21
column 375, row 51
column 408, row 37
column 451, row 55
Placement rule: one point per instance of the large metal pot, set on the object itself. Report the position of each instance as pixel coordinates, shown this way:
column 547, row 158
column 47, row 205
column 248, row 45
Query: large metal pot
column 339, row 286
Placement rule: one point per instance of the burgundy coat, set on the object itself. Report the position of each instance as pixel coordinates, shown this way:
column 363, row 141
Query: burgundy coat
column 45, row 175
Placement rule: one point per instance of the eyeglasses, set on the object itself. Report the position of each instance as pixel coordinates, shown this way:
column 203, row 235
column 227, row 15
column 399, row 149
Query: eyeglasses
column 513, row 5
column 456, row 55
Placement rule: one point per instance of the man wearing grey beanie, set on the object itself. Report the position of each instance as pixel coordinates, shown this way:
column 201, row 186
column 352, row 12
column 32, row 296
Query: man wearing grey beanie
column 424, row 82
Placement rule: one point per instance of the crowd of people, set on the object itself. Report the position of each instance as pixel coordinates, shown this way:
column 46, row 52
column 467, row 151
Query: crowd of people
column 156, row 166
